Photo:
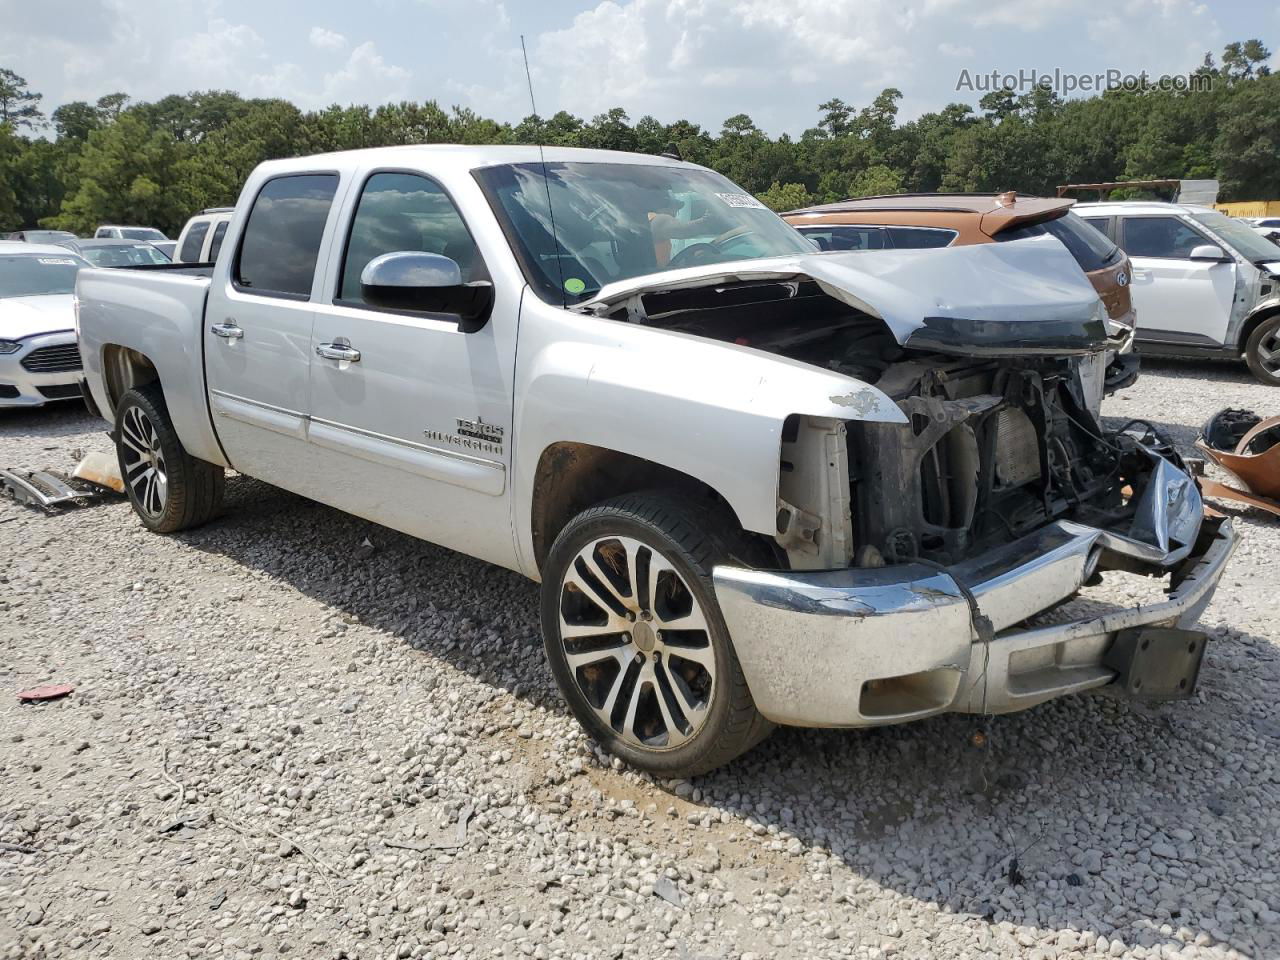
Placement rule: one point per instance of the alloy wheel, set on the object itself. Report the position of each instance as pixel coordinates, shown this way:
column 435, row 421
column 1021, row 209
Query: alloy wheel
column 637, row 642
column 144, row 466
column 1269, row 352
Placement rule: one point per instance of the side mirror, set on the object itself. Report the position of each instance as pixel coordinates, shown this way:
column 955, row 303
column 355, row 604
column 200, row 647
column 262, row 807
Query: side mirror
column 1209, row 251
column 426, row 283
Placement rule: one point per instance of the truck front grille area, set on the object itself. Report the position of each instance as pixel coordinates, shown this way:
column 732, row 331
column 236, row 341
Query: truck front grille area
column 58, row 358
column 991, row 454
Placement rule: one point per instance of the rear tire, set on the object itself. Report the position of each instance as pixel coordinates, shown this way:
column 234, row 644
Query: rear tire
column 643, row 658
column 1262, row 352
column 170, row 490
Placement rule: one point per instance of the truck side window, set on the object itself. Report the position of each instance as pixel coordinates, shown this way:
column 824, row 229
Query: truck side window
column 1160, row 237
column 215, row 244
column 282, row 237
column 404, row 211
column 190, row 251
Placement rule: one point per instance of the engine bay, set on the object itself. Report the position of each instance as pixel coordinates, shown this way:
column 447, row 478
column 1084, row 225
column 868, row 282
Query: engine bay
column 996, row 447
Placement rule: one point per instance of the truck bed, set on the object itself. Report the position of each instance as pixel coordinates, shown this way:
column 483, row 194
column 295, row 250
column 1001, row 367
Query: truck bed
column 157, row 311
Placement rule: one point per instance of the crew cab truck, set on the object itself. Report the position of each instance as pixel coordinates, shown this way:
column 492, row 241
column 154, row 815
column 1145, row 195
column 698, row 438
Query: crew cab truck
column 758, row 484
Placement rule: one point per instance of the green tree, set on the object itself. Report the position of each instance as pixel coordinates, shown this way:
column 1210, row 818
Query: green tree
column 127, row 173
column 19, row 107
column 876, row 181
column 1247, row 149
column 782, row 197
column 76, row 120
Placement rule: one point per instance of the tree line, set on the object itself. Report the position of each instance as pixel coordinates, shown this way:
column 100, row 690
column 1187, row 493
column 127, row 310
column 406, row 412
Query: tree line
column 117, row 161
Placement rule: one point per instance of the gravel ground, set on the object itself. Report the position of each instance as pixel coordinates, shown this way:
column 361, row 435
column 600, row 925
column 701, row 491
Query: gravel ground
column 285, row 742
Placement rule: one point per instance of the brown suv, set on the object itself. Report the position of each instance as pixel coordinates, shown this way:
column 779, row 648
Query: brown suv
column 917, row 220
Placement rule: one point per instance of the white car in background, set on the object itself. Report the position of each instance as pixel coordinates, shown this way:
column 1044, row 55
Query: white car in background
column 201, row 239
column 39, row 357
column 112, row 232
column 1203, row 283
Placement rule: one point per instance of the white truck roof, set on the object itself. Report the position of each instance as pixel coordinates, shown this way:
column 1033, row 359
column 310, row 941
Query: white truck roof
column 462, row 157
column 1114, row 208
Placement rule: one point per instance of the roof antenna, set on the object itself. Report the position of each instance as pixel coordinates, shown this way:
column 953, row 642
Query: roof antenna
column 546, row 181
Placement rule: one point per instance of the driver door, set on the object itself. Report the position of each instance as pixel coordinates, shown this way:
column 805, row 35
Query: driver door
column 1178, row 300
column 410, row 416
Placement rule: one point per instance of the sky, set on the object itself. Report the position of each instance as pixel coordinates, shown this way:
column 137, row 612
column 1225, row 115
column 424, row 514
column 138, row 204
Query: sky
column 701, row 60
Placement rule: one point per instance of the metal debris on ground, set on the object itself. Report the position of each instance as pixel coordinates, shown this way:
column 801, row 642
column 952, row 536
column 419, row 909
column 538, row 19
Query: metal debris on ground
column 47, row 691
column 663, row 887
column 447, row 842
column 1248, row 447
column 40, row 488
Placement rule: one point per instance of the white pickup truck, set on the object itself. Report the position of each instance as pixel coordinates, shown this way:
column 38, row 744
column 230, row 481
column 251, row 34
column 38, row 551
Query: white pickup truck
column 759, row 484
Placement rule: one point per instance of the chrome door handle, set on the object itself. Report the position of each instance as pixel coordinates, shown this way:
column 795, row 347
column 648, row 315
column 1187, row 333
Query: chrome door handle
column 338, row 351
column 227, row 331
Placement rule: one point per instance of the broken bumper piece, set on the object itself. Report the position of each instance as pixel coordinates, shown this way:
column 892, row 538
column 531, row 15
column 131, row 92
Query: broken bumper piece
column 859, row 647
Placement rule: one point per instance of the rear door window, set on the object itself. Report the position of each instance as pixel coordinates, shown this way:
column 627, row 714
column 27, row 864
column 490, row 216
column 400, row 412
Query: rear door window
column 215, row 244
column 1165, row 237
column 193, row 241
column 282, row 237
column 919, row 238
column 847, row 237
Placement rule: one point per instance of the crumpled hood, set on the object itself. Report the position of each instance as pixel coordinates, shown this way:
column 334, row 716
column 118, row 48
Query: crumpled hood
column 1020, row 296
column 28, row 316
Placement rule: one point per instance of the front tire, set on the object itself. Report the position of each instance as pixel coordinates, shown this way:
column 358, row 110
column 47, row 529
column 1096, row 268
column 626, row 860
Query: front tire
column 636, row 640
column 170, row 490
column 1262, row 352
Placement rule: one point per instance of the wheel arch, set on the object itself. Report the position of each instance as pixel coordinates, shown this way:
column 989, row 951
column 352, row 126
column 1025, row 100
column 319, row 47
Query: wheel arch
column 1255, row 320
column 572, row 476
column 124, row 368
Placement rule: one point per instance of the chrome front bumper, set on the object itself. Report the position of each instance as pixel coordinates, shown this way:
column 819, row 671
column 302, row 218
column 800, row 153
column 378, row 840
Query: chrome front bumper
column 859, row 647
column 20, row 387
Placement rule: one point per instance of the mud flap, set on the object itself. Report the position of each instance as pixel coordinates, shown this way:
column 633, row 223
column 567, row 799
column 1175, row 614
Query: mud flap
column 1156, row 663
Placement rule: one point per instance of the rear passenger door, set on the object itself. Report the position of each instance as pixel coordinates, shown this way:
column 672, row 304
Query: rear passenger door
column 257, row 336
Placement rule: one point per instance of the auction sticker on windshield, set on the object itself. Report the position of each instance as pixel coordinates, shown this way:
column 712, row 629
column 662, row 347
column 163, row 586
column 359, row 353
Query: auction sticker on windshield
column 741, row 200
column 57, row 261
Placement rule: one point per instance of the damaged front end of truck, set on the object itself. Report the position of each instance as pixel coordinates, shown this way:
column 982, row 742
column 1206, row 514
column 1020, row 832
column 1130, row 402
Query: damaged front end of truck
column 915, row 556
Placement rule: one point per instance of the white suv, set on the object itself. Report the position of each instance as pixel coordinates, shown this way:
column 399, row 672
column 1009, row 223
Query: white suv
column 112, row 232
column 201, row 239
column 1203, row 283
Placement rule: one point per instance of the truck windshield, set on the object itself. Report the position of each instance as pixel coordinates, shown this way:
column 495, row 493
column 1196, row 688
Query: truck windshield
column 614, row 221
column 1251, row 245
column 36, row 275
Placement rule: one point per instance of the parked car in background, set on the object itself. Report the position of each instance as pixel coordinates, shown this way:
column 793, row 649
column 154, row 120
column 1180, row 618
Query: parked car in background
column 758, row 484
column 119, row 253
column 109, row 232
column 39, row 358
column 43, row 236
column 167, row 247
column 1203, row 283
column 1269, row 230
column 918, row 220
column 201, row 238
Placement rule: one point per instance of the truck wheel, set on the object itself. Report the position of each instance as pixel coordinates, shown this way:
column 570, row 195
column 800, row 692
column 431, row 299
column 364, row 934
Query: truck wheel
column 1262, row 352
column 170, row 490
column 636, row 640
